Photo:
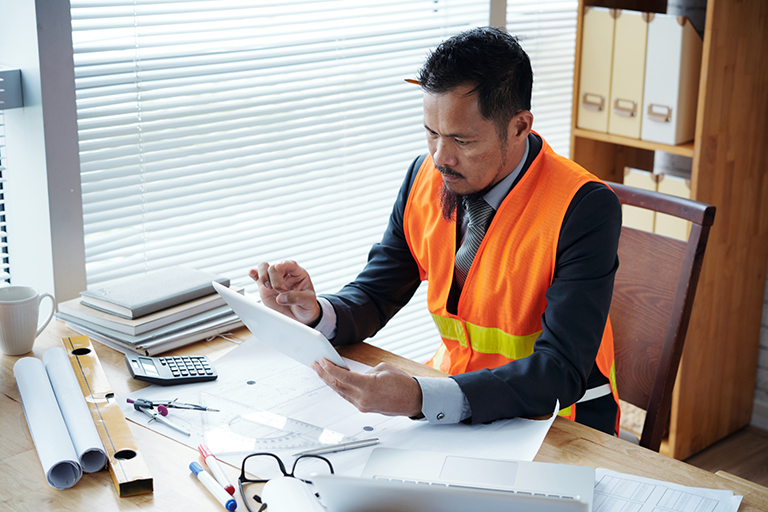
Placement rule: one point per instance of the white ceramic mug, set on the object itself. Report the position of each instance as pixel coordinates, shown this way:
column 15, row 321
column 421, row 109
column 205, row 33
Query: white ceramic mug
column 19, row 315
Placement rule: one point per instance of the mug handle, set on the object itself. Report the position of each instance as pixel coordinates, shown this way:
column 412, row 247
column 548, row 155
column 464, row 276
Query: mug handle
column 50, row 315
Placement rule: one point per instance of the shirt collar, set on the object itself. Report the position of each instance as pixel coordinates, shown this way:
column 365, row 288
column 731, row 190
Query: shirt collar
column 496, row 195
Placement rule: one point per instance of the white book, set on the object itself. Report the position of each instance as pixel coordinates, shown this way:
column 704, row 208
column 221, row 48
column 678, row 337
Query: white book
column 185, row 324
column 163, row 344
column 134, row 327
column 142, row 294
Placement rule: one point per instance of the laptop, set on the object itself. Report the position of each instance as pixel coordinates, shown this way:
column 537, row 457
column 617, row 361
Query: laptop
column 420, row 481
column 278, row 331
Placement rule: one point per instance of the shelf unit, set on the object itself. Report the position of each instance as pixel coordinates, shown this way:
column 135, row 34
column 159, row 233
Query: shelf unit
column 714, row 391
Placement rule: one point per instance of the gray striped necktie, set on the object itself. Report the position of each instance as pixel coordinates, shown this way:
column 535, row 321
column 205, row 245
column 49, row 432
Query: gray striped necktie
column 479, row 213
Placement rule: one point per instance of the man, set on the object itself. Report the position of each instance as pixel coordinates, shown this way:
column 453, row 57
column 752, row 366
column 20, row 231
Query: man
column 518, row 245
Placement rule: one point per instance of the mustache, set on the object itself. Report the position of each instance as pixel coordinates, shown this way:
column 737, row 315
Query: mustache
column 448, row 171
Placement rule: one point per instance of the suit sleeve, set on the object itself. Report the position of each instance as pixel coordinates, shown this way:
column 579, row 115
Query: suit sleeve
column 386, row 284
column 578, row 301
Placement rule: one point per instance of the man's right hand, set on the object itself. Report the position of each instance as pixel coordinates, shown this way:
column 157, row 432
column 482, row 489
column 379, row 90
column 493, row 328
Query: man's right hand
column 287, row 288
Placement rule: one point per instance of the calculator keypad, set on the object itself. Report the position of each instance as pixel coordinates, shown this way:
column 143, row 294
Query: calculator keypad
column 182, row 366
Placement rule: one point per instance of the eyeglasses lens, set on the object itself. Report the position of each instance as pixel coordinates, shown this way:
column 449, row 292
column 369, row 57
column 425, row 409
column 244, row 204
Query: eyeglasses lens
column 262, row 467
column 306, row 467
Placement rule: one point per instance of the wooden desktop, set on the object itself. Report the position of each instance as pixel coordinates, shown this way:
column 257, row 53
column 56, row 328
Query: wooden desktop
column 24, row 486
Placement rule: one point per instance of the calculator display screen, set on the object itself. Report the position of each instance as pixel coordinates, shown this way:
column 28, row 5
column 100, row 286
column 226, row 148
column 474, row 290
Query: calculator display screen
column 149, row 366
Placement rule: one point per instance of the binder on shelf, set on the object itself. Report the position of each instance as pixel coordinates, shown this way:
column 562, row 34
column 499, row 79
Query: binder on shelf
column 628, row 73
column 667, row 225
column 595, row 68
column 672, row 69
column 632, row 216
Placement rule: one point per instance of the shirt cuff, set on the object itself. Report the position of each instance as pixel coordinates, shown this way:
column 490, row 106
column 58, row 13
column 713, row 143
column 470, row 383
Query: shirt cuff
column 327, row 324
column 443, row 401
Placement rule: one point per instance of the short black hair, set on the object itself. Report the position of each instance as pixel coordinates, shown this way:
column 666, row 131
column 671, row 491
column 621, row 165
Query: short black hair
column 493, row 63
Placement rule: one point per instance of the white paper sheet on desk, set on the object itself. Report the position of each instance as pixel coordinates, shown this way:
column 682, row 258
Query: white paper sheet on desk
column 619, row 492
column 257, row 380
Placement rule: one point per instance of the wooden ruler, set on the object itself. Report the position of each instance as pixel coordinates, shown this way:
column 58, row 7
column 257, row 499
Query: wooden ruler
column 127, row 466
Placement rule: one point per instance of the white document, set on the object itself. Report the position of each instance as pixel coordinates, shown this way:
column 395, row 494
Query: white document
column 269, row 402
column 280, row 332
column 58, row 418
column 619, row 492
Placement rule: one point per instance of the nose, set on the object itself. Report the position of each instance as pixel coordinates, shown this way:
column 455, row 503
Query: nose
column 442, row 153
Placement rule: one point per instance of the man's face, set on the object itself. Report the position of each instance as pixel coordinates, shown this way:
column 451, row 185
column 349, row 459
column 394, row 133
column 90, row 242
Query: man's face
column 465, row 146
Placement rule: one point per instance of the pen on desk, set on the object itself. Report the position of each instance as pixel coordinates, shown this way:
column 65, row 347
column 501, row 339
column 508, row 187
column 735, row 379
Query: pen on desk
column 164, row 405
column 183, row 405
column 339, row 447
column 157, row 416
column 213, row 465
column 227, row 501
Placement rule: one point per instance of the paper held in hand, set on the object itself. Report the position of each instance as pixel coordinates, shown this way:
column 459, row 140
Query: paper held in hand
column 276, row 330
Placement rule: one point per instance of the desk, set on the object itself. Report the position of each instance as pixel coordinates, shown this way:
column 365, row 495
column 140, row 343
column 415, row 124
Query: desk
column 23, row 485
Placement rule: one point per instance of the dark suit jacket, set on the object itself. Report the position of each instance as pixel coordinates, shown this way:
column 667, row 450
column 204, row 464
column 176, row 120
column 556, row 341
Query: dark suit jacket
column 562, row 365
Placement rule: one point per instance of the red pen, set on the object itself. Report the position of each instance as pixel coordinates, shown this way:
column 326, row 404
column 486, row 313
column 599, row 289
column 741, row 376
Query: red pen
column 213, row 464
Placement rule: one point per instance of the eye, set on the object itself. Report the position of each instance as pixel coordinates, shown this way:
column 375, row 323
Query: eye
column 461, row 142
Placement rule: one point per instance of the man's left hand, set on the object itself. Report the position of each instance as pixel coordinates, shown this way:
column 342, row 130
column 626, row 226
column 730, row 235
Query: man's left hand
column 385, row 389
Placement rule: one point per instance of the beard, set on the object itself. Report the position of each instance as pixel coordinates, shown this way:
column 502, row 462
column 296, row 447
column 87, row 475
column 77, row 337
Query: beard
column 449, row 200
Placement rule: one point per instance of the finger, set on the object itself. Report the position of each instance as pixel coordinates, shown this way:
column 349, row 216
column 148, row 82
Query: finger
column 335, row 370
column 321, row 366
column 293, row 275
column 288, row 267
column 320, row 371
column 304, row 299
column 277, row 277
column 340, row 379
column 325, row 375
column 266, row 292
column 262, row 275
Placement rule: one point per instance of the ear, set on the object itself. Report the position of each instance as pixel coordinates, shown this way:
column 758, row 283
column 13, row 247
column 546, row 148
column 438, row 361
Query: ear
column 520, row 126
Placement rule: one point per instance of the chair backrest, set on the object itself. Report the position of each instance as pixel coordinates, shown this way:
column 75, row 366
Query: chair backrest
column 651, row 306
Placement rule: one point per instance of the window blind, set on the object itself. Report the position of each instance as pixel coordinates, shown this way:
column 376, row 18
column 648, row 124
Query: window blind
column 5, row 268
column 217, row 134
column 547, row 32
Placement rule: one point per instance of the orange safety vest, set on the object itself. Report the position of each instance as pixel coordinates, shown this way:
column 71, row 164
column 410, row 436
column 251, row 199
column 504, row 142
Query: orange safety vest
column 499, row 313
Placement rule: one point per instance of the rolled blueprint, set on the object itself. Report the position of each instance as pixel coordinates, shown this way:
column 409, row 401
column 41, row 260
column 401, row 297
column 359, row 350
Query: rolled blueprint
column 77, row 417
column 46, row 424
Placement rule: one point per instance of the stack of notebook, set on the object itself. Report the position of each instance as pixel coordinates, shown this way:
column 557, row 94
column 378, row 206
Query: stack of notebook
column 153, row 312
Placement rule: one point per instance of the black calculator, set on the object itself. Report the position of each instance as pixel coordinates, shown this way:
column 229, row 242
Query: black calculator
column 170, row 370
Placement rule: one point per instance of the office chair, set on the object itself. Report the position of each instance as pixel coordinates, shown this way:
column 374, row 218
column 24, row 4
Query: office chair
column 651, row 306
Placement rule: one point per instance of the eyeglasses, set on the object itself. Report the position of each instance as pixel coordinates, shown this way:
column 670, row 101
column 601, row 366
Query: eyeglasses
column 269, row 466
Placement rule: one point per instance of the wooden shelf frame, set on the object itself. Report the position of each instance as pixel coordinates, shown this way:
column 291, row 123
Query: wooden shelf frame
column 714, row 392
column 681, row 149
